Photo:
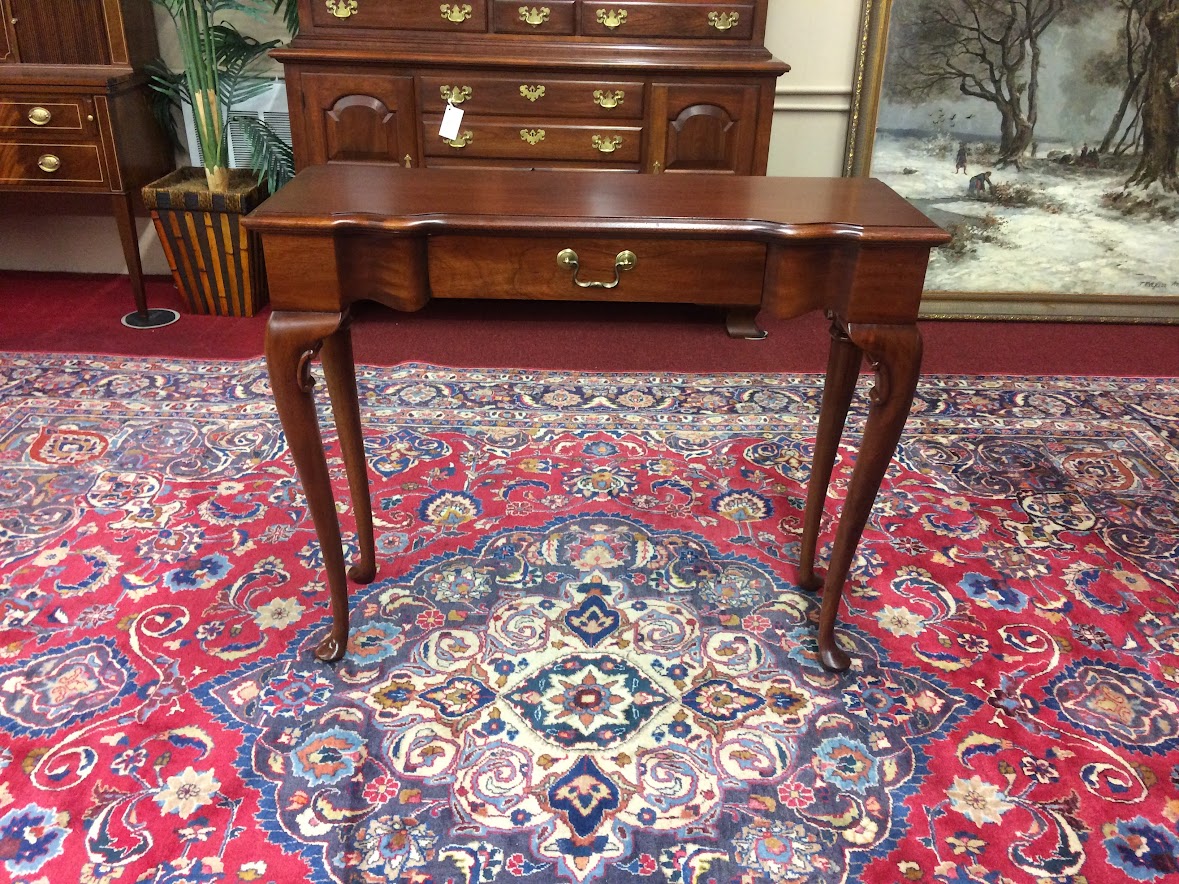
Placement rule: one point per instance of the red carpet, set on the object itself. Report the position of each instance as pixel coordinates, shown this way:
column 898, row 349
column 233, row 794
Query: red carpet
column 584, row 658
column 80, row 314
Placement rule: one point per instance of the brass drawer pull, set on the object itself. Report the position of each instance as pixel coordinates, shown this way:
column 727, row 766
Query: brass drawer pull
column 342, row 8
column 532, row 136
column 535, row 17
column 722, row 21
column 457, row 14
column 462, row 141
column 455, row 94
column 612, row 18
column 624, row 260
column 47, row 162
column 40, row 116
column 609, row 144
column 532, row 93
column 607, row 99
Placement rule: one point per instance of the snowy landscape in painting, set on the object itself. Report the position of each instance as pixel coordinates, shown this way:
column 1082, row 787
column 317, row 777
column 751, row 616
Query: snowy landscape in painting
column 1071, row 107
column 1048, row 227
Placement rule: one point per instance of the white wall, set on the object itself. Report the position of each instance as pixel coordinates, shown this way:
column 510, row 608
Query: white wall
column 816, row 37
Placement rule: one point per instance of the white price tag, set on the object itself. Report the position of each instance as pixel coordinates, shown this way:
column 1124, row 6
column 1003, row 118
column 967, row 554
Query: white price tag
column 451, row 120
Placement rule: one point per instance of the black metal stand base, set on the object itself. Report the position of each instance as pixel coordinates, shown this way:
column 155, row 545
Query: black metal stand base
column 155, row 318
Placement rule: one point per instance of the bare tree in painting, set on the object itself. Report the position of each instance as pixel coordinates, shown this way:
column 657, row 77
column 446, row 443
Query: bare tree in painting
column 1160, row 103
column 986, row 49
column 1124, row 67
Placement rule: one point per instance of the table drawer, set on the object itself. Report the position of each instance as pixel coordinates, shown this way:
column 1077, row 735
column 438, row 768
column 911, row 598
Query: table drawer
column 465, row 16
column 31, row 113
column 548, row 18
column 67, row 165
column 626, row 20
column 536, row 139
column 685, row 271
column 533, row 95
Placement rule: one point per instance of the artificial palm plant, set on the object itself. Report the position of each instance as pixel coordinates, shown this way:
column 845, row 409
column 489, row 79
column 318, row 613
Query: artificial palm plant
column 221, row 70
column 216, row 263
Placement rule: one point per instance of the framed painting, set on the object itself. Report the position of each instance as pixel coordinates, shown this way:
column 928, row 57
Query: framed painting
column 1043, row 136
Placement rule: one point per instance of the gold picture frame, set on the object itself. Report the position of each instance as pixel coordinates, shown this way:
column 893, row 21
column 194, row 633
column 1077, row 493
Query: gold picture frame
column 868, row 87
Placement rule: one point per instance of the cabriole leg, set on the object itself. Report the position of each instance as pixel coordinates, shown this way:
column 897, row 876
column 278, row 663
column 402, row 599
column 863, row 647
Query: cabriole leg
column 894, row 351
column 292, row 340
column 843, row 365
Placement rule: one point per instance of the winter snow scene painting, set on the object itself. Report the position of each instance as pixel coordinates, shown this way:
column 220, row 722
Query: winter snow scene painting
column 1042, row 134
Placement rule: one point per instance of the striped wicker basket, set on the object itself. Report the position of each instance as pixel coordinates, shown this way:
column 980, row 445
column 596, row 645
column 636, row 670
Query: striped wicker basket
column 216, row 263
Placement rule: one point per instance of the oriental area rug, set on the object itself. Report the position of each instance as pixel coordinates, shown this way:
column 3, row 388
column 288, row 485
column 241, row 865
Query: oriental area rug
column 584, row 658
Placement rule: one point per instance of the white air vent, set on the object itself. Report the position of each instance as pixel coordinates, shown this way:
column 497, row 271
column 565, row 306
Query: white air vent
column 269, row 106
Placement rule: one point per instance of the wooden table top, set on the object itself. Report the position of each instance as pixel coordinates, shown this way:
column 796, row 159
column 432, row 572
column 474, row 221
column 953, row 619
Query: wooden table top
column 513, row 201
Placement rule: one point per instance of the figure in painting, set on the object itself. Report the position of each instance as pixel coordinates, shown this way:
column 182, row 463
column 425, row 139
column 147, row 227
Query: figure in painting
column 979, row 183
column 960, row 163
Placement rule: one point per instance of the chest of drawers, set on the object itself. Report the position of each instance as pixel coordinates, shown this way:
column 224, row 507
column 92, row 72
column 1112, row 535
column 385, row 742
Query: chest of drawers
column 651, row 86
column 76, row 128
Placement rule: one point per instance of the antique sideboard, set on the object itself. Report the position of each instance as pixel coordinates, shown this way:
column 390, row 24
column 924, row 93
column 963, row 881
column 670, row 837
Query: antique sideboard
column 76, row 128
column 652, row 86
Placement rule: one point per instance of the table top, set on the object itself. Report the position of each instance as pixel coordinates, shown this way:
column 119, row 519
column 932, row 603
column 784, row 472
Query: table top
column 393, row 200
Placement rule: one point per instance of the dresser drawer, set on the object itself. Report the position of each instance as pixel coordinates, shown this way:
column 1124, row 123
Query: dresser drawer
column 535, row 139
column 687, row 271
column 466, row 16
column 525, row 93
column 626, row 20
column 31, row 113
column 550, row 18
column 67, row 165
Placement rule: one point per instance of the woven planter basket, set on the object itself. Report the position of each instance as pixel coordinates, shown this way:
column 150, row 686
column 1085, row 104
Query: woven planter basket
column 215, row 261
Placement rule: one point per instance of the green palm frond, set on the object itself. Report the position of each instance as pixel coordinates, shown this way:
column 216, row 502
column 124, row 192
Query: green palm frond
column 289, row 10
column 167, row 92
column 221, row 67
column 269, row 154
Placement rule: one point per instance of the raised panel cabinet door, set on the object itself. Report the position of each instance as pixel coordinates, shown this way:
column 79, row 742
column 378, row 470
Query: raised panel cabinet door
column 358, row 118
column 60, row 31
column 703, row 128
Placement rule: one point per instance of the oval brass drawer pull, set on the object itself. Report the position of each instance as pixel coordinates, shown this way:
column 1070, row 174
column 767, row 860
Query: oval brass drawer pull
column 535, row 17
column 47, row 162
column 342, row 8
column 462, row 141
column 624, row 260
column 457, row 14
column 609, row 144
column 612, row 18
column 532, row 136
column 604, row 98
column 722, row 21
column 39, row 116
column 455, row 94
column 532, row 93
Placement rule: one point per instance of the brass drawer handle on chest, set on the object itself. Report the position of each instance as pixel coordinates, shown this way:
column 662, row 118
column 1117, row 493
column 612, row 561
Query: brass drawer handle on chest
column 609, row 144
column 532, row 93
column 343, row 8
column 40, row 116
column 462, row 141
column 612, row 18
column 624, row 260
column 532, row 136
column 535, row 17
column 722, row 21
column 455, row 94
column 457, row 14
column 47, row 162
column 607, row 99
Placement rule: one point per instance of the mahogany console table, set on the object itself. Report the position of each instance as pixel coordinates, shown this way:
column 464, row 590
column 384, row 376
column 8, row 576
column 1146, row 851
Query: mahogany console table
column 344, row 233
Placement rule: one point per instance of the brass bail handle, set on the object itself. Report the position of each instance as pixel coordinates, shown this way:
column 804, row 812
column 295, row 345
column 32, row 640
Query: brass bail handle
column 624, row 260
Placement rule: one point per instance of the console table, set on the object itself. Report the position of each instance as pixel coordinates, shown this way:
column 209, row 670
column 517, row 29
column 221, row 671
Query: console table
column 344, row 233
